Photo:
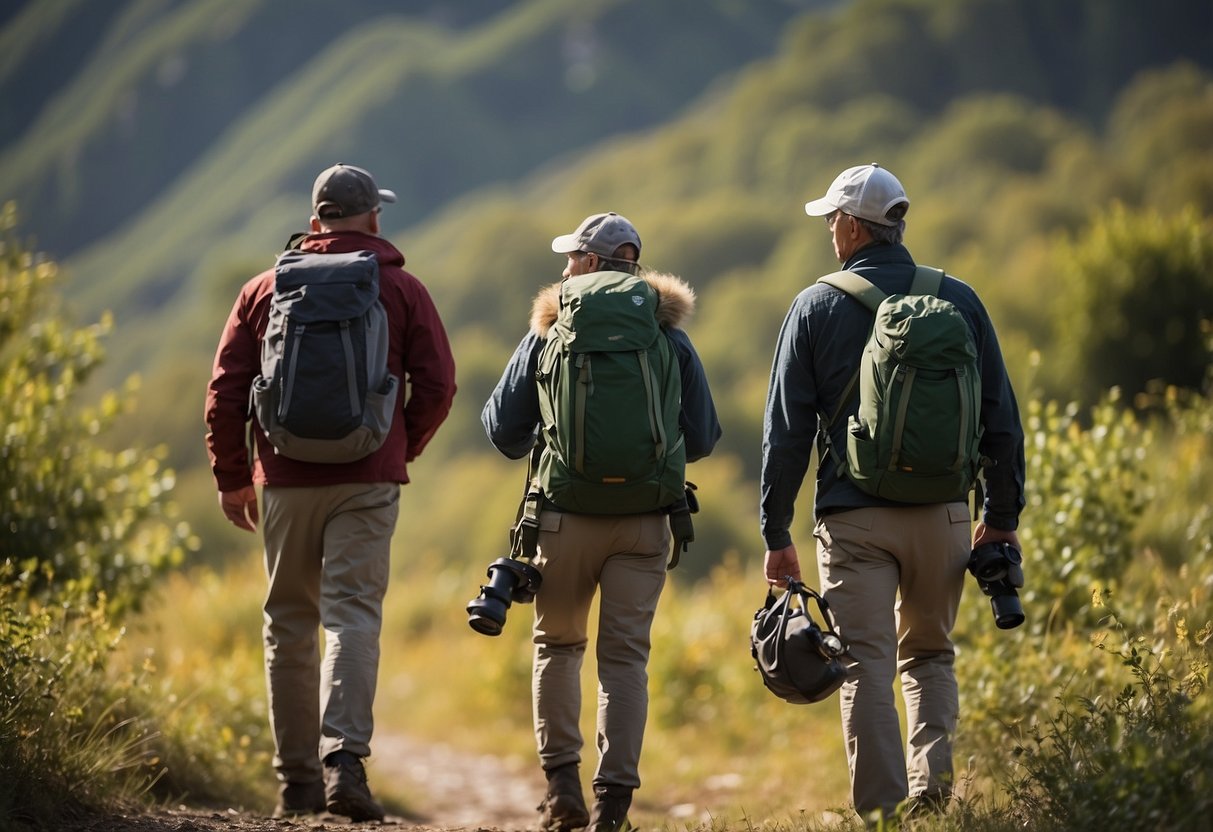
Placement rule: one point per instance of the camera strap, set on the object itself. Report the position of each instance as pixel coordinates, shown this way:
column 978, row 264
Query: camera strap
column 524, row 536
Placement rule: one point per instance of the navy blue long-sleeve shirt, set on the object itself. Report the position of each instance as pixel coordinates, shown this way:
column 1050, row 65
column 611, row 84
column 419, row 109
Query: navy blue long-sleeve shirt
column 819, row 349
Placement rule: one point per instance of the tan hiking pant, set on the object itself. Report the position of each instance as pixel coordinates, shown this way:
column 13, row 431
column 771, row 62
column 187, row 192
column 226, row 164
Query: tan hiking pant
column 623, row 559
column 893, row 578
column 327, row 553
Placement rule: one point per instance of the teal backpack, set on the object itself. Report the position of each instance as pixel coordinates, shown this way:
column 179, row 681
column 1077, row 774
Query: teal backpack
column 610, row 395
column 915, row 437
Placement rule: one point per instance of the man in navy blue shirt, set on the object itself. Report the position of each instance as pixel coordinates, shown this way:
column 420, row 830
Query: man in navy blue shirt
column 891, row 572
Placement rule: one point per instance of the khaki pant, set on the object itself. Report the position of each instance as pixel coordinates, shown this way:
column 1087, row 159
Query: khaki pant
column 867, row 558
column 327, row 552
column 623, row 559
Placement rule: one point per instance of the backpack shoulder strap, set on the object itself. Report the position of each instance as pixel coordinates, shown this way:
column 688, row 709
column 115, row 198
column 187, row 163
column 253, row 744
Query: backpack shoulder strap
column 856, row 286
column 866, row 293
column 927, row 281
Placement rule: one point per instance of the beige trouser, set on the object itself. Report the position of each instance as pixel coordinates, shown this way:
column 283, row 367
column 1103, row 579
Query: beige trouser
column 623, row 558
column 327, row 555
column 866, row 558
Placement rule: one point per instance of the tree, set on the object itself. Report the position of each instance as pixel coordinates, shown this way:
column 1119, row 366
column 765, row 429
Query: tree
column 1132, row 292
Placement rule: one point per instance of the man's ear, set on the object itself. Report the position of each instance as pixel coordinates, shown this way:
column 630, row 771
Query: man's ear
column 315, row 225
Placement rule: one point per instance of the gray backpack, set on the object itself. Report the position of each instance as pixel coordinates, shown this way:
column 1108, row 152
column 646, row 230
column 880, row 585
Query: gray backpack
column 325, row 393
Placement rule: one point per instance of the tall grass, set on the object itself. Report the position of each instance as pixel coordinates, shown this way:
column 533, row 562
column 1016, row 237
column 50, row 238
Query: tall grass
column 67, row 739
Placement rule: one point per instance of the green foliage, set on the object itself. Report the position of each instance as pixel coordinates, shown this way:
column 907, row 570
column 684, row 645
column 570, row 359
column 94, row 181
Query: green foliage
column 1087, row 491
column 95, row 519
column 65, row 743
column 1135, row 285
column 1181, row 529
column 1114, row 507
column 83, row 533
column 197, row 653
column 1136, row 758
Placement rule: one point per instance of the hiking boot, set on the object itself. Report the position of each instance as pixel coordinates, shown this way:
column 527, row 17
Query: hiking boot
column 296, row 799
column 563, row 807
column 345, row 790
column 610, row 812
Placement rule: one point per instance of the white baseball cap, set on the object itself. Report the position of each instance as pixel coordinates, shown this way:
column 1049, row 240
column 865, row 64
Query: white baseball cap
column 865, row 191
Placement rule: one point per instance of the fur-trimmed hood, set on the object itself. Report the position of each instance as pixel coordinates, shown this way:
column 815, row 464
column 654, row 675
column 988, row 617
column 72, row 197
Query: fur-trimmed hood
column 675, row 305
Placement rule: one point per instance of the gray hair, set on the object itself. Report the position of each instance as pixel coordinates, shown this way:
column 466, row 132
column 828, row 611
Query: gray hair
column 617, row 265
column 887, row 234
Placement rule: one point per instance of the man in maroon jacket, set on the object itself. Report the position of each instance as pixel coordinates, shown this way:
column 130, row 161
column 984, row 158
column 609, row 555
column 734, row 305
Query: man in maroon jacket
column 328, row 526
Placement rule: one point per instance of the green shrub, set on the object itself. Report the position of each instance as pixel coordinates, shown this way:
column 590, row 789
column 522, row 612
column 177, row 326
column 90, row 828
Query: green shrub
column 84, row 532
column 1136, row 758
column 64, row 743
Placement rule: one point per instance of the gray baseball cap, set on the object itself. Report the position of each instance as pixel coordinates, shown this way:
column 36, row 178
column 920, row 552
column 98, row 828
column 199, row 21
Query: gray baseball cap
column 865, row 191
column 600, row 234
column 347, row 191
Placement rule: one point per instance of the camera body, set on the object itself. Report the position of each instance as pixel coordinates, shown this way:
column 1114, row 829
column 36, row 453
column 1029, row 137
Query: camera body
column 510, row 580
column 998, row 568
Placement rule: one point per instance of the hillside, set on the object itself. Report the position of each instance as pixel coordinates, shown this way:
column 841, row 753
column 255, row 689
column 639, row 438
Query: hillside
column 1012, row 123
column 167, row 127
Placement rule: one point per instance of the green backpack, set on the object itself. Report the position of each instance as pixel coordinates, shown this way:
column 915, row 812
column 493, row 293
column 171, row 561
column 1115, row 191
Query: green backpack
column 610, row 395
column 915, row 438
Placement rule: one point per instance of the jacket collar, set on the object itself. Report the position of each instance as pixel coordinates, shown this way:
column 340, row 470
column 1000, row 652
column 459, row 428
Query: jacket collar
column 343, row 242
column 675, row 304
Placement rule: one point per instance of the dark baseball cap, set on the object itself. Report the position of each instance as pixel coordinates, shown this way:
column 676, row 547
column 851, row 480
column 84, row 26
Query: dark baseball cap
column 347, row 191
column 600, row 234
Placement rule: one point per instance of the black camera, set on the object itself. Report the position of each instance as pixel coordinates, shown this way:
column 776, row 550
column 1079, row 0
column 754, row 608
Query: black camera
column 998, row 568
column 510, row 580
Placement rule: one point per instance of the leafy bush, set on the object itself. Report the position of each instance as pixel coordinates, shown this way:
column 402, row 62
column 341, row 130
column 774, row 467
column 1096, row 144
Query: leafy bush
column 1136, row 285
column 1133, row 759
column 96, row 519
column 83, row 533
column 64, row 743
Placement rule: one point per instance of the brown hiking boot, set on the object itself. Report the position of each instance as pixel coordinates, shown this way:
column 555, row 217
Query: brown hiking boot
column 296, row 799
column 563, row 807
column 610, row 812
column 345, row 789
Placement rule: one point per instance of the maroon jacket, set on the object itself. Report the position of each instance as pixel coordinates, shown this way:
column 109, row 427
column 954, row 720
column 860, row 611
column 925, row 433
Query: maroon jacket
column 418, row 353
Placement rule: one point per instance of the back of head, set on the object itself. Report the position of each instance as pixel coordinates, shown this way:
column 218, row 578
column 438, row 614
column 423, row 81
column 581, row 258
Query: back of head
column 343, row 193
column 608, row 235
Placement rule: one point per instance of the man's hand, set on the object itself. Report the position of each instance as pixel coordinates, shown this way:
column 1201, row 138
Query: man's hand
column 240, row 507
column 780, row 564
column 986, row 534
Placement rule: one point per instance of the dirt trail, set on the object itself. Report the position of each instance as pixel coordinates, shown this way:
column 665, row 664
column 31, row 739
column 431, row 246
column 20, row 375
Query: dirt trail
column 446, row 790
column 451, row 787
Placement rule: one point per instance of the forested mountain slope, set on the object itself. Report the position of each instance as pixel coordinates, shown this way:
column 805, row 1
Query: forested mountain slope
column 1015, row 124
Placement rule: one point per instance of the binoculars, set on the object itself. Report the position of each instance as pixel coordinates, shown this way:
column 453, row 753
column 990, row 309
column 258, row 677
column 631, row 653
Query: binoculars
column 998, row 568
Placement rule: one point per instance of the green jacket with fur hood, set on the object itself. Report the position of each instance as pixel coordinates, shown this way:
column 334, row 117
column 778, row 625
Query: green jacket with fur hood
column 511, row 415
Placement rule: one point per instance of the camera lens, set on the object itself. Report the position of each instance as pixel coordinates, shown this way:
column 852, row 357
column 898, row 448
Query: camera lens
column 488, row 620
column 1008, row 611
column 509, row 580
